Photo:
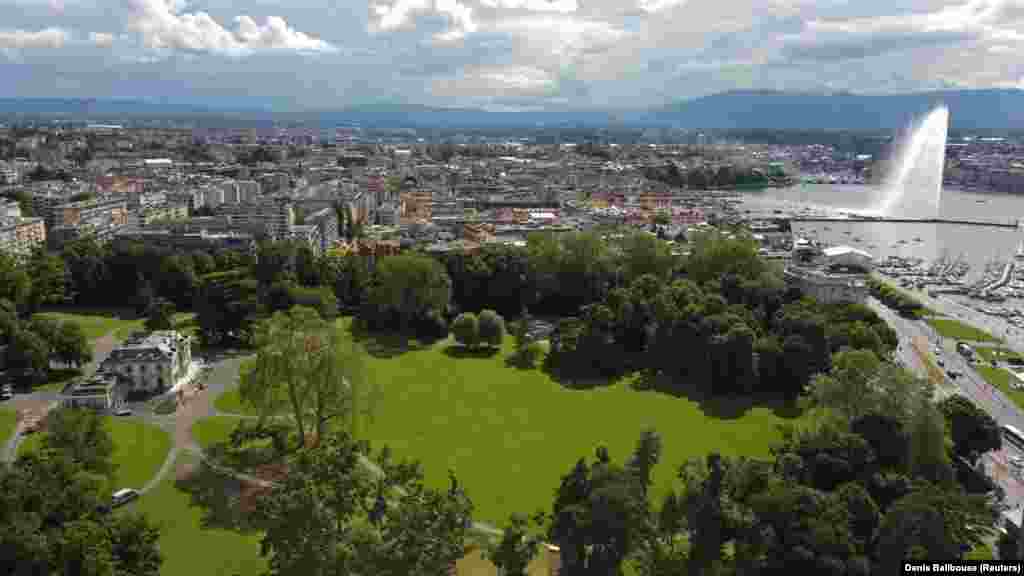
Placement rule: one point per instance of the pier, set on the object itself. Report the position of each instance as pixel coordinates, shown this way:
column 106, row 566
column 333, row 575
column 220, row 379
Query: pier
column 908, row 221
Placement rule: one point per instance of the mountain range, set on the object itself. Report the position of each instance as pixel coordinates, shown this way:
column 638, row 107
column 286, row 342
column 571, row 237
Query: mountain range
column 755, row 109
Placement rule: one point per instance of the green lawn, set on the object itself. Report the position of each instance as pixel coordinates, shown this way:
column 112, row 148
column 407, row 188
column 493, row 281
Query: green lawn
column 139, row 450
column 989, row 354
column 951, row 328
column 214, row 429
column 510, row 434
column 1001, row 378
column 980, row 553
column 96, row 323
column 8, row 422
column 191, row 549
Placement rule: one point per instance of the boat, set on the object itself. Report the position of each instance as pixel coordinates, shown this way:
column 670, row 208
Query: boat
column 856, row 238
column 917, row 239
column 981, row 201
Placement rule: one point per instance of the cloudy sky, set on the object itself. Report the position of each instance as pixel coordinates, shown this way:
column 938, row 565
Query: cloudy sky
column 500, row 54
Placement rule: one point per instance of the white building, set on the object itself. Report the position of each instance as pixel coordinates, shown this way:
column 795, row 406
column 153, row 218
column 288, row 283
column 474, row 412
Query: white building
column 104, row 391
column 151, row 362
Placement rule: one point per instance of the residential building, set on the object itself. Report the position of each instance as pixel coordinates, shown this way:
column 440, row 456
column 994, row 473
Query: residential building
column 161, row 213
column 274, row 216
column 309, row 235
column 151, row 362
column 19, row 236
column 187, row 240
column 103, row 391
column 326, row 221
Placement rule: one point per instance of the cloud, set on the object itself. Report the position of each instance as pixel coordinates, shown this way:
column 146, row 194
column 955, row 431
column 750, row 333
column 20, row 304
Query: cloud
column 163, row 26
column 562, row 6
column 23, row 39
column 400, row 14
column 101, row 39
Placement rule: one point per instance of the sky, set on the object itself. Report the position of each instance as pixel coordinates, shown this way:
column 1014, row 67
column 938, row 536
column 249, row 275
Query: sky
column 499, row 54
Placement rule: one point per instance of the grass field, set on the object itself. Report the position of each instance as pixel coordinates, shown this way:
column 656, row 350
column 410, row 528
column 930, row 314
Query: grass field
column 8, row 422
column 1001, row 378
column 510, row 435
column 989, row 354
column 189, row 547
column 951, row 328
column 97, row 323
column 139, row 450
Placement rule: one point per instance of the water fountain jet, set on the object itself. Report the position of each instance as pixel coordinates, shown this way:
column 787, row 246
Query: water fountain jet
column 914, row 186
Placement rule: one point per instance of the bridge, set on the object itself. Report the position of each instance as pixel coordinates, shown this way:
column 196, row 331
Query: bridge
column 908, row 221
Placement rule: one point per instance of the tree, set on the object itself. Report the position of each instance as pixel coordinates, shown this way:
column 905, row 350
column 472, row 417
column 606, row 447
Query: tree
column 491, row 328
column 49, row 278
column 852, row 388
column 331, row 516
column 645, row 254
column 466, row 330
column 517, row 547
column 49, row 523
column 311, row 367
column 973, row 430
column 598, row 518
column 71, row 346
column 15, row 282
column 407, row 287
column 28, row 356
column 80, row 434
column 160, row 315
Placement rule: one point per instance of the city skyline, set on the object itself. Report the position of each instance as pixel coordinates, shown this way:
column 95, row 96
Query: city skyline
column 498, row 54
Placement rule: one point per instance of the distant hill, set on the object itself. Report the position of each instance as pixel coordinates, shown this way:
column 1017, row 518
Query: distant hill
column 969, row 110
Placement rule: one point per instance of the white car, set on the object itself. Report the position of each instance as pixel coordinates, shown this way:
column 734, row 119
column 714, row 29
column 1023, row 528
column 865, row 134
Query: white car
column 123, row 496
column 123, row 412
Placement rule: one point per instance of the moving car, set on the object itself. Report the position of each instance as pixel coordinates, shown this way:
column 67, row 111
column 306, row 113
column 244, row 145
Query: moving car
column 123, row 496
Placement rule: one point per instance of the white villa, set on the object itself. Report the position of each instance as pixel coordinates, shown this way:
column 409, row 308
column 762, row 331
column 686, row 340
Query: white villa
column 101, row 391
column 151, row 362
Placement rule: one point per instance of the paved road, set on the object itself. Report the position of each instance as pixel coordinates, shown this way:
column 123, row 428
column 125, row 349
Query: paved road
column 970, row 385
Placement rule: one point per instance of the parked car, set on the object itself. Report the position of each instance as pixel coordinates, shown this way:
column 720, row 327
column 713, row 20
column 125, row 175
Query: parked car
column 940, row 362
column 952, row 374
column 123, row 412
column 123, row 496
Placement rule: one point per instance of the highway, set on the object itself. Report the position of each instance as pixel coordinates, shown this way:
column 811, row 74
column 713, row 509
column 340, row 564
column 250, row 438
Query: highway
column 970, row 385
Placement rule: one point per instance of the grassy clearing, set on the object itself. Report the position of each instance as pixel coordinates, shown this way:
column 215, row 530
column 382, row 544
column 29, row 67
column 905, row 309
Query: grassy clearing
column 209, row 431
column 980, row 553
column 952, row 328
column 499, row 427
column 139, row 450
column 8, row 422
column 97, row 323
column 989, row 354
column 1001, row 379
column 191, row 548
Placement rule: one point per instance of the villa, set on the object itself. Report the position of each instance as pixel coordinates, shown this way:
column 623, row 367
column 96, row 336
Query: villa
column 103, row 391
column 152, row 362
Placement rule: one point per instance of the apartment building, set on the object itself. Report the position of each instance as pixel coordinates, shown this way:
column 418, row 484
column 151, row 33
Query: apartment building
column 161, row 213
column 326, row 222
column 186, row 240
column 19, row 236
column 100, row 219
column 274, row 216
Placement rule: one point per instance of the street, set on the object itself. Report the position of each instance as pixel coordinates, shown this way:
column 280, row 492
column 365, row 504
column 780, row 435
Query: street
column 969, row 384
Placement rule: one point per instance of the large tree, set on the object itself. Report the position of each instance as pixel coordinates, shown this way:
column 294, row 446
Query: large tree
column 407, row 287
column 51, row 523
column 974, row 431
column 49, row 279
column 311, row 368
column 80, row 434
column 331, row 516
column 71, row 346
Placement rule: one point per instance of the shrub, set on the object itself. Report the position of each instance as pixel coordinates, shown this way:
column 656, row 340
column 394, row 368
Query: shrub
column 466, row 330
column 491, row 328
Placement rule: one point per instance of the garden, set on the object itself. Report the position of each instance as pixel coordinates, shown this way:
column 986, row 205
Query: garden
column 497, row 426
column 957, row 330
column 139, row 450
